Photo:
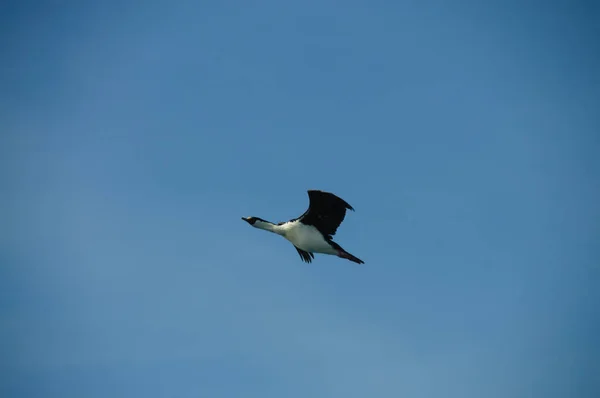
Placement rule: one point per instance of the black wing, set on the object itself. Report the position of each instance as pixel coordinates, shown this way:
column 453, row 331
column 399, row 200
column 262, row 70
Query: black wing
column 305, row 256
column 326, row 212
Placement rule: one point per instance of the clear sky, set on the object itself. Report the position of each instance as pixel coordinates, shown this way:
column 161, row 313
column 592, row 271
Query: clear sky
column 135, row 135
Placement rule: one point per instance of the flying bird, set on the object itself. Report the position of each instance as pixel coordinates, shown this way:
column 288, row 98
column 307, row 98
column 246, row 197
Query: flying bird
column 313, row 231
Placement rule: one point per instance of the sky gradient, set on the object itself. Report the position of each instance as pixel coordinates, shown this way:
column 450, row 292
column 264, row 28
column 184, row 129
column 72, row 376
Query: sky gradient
column 134, row 136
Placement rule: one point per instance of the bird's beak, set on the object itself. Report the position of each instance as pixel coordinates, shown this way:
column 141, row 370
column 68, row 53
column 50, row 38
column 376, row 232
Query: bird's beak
column 245, row 219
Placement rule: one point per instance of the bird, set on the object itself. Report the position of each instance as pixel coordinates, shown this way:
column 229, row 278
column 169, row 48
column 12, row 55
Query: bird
column 313, row 231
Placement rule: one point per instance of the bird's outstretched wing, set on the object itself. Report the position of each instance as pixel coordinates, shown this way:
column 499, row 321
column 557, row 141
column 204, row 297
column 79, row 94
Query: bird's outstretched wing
column 326, row 212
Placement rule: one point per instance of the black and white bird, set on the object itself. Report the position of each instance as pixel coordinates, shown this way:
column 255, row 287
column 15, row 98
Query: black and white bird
column 313, row 231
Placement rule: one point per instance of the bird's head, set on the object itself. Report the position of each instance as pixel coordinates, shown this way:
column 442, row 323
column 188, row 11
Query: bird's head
column 254, row 221
column 250, row 220
column 259, row 223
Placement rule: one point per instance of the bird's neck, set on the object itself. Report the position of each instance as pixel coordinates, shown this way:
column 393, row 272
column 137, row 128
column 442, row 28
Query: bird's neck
column 269, row 226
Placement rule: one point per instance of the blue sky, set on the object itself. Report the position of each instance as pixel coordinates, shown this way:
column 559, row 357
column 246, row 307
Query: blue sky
column 135, row 136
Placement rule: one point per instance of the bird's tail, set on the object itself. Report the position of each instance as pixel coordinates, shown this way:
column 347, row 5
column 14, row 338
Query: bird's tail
column 348, row 256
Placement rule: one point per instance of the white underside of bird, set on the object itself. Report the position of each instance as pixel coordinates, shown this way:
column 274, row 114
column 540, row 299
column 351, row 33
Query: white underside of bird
column 306, row 237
